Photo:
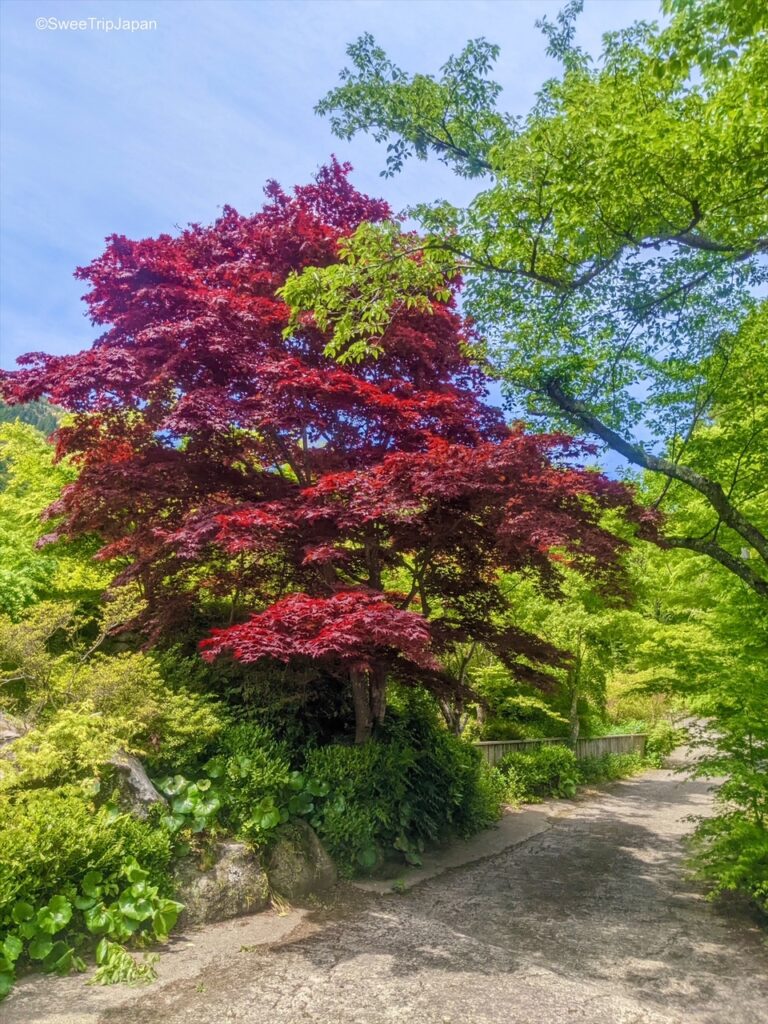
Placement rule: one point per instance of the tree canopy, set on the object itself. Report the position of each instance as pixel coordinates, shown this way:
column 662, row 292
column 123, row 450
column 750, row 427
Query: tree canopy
column 221, row 454
column 614, row 253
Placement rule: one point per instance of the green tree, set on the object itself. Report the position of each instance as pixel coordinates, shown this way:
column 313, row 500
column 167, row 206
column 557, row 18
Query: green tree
column 612, row 253
column 31, row 481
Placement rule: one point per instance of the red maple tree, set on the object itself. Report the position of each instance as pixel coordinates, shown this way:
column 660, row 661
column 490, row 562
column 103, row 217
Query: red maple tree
column 353, row 517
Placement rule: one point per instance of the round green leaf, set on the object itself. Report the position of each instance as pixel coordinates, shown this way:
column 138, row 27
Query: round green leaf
column 61, row 910
column 174, row 786
column 22, row 911
column 91, row 882
column 215, row 768
column 136, row 909
column 134, row 873
column 39, row 947
column 182, row 805
column 97, row 920
column 12, row 947
column 270, row 819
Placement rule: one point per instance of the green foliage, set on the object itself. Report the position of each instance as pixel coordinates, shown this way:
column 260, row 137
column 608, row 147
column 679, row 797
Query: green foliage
column 554, row 770
column 731, row 854
column 549, row 770
column 41, row 415
column 71, row 871
column 82, row 705
column 248, row 788
column 50, row 838
column 610, row 767
column 614, row 248
column 391, row 797
column 116, row 965
column 116, row 912
column 663, row 737
column 193, row 805
column 29, row 482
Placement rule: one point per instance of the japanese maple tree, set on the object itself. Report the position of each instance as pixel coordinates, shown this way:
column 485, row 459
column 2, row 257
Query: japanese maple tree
column 354, row 518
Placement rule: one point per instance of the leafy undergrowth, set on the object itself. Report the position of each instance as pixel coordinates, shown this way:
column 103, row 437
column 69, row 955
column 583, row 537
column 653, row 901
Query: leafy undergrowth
column 555, row 771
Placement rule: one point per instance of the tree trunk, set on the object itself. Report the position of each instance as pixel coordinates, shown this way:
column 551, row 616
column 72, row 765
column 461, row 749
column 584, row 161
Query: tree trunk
column 453, row 714
column 573, row 715
column 377, row 681
column 369, row 696
column 361, row 698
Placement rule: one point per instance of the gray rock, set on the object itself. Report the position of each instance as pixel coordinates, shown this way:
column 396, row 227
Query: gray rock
column 136, row 789
column 297, row 862
column 9, row 730
column 234, row 885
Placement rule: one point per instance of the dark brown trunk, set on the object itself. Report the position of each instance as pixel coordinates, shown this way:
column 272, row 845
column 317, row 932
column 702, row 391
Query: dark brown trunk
column 361, row 698
column 369, row 696
column 377, row 680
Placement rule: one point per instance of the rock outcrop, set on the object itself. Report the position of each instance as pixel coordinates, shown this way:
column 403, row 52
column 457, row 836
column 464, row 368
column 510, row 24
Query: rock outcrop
column 137, row 792
column 297, row 862
column 234, row 885
column 9, row 730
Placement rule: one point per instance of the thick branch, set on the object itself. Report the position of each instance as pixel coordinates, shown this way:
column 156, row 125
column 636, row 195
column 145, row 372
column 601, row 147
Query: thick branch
column 710, row 489
column 736, row 565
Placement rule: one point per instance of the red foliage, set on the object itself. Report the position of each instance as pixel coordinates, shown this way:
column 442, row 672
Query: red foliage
column 352, row 627
column 215, row 454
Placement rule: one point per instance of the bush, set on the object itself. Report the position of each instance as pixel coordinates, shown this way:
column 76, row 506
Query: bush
column 257, row 779
column 247, row 788
column 73, row 875
column 731, row 854
column 609, row 767
column 662, row 740
column 51, row 838
column 413, row 785
column 549, row 770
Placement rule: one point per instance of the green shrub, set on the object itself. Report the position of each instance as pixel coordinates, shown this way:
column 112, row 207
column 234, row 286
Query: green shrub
column 72, row 873
column 663, row 737
column 247, row 788
column 629, row 727
column 411, row 786
column 549, row 770
column 731, row 854
column 609, row 767
column 51, row 838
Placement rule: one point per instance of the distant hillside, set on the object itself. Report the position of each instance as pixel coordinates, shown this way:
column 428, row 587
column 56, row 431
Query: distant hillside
column 42, row 415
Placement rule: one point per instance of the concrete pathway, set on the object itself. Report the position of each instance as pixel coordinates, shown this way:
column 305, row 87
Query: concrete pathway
column 590, row 920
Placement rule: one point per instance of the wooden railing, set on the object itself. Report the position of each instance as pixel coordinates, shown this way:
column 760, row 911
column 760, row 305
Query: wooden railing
column 634, row 743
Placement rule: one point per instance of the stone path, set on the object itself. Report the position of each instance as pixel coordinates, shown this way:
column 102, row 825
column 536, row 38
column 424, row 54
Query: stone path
column 590, row 921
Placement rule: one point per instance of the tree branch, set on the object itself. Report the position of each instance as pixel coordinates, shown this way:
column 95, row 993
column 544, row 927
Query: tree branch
column 710, row 489
column 736, row 565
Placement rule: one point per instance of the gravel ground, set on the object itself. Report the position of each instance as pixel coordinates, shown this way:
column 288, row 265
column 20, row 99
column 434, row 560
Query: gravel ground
column 590, row 921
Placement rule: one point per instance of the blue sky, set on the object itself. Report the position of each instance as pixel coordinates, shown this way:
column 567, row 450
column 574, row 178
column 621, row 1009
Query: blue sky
column 137, row 133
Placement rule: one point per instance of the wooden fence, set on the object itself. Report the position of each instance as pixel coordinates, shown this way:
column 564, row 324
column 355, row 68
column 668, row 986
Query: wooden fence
column 634, row 743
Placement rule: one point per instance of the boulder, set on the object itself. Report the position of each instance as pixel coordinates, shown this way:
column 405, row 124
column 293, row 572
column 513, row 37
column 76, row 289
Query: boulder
column 9, row 730
column 234, row 885
column 136, row 789
column 297, row 862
